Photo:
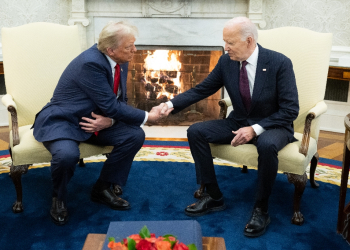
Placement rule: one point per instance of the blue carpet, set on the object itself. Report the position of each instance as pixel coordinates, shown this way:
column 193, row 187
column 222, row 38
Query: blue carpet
column 160, row 191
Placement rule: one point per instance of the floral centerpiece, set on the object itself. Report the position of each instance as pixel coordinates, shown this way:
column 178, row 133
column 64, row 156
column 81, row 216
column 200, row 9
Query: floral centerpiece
column 148, row 241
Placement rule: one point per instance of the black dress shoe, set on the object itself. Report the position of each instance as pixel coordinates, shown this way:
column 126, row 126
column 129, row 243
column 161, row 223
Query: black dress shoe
column 58, row 212
column 205, row 205
column 107, row 197
column 257, row 224
column 117, row 189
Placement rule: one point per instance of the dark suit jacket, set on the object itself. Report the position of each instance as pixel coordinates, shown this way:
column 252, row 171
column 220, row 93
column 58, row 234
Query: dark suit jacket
column 275, row 96
column 86, row 86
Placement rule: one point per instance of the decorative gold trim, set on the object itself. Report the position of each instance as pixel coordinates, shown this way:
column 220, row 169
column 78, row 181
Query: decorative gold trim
column 165, row 139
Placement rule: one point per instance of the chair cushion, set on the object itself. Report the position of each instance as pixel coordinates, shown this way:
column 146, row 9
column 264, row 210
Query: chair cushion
column 290, row 160
column 30, row 151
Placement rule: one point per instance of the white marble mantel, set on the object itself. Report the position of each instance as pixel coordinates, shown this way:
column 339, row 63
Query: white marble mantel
column 189, row 16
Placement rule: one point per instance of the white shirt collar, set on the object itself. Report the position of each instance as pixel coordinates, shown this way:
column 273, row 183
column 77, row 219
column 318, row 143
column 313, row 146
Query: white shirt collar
column 253, row 59
column 111, row 62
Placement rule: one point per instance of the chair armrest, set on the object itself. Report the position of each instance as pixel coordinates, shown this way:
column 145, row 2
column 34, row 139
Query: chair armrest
column 11, row 106
column 7, row 100
column 224, row 104
column 319, row 109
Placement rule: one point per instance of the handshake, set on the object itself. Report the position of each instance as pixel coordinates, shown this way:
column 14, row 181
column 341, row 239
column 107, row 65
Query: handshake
column 158, row 112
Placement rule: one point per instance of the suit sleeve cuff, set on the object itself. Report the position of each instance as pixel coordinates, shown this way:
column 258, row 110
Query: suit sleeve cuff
column 145, row 120
column 258, row 129
column 170, row 104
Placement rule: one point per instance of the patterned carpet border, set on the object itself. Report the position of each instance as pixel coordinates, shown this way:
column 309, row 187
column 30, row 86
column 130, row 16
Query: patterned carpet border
column 325, row 171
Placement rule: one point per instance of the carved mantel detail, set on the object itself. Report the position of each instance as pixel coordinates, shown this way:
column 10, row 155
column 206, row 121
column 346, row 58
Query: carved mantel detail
column 79, row 18
column 255, row 12
column 180, row 8
column 79, row 13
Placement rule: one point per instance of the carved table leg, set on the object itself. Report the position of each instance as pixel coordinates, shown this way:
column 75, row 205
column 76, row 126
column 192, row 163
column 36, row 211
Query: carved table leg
column 81, row 163
column 16, row 173
column 343, row 188
column 299, row 182
column 313, row 167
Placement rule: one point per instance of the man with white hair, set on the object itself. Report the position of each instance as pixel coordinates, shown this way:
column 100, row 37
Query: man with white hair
column 89, row 104
column 261, row 85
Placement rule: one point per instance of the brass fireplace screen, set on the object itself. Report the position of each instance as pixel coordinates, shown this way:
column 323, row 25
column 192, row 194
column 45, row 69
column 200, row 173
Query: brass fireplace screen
column 159, row 73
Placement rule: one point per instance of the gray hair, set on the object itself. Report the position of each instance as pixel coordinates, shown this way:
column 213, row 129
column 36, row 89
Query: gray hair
column 247, row 27
column 113, row 33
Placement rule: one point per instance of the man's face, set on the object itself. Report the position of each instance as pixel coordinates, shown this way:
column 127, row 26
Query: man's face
column 237, row 49
column 124, row 52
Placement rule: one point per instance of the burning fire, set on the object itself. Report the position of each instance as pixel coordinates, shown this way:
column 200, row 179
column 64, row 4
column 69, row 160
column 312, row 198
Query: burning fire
column 162, row 76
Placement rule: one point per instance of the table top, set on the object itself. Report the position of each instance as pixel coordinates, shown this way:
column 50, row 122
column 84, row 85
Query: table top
column 95, row 242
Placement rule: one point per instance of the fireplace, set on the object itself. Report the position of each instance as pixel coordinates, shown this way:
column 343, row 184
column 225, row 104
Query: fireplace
column 159, row 73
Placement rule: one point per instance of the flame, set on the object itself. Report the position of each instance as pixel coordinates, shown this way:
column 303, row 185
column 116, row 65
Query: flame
column 161, row 60
column 158, row 65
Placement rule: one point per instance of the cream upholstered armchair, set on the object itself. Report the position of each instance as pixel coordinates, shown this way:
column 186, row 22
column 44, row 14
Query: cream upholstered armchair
column 35, row 56
column 310, row 53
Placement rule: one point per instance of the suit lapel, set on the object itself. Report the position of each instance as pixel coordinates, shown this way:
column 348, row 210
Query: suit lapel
column 260, row 76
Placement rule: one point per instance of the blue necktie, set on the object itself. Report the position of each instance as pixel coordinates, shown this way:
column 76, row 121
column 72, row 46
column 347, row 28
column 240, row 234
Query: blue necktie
column 244, row 86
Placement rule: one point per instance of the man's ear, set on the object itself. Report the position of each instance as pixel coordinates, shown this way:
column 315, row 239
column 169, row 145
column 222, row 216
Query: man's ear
column 249, row 41
column 109, row 51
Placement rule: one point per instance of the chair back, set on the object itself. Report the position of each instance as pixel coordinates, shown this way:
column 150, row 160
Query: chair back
column 35, row 56
column 310, row 54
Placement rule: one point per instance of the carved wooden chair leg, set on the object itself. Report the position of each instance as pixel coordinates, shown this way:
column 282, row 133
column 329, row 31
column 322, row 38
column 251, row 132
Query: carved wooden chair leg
column 244, row 169
column 81, row 163
column 199, row 193
column 16, row 173
column 299, row 182
column 313, row 167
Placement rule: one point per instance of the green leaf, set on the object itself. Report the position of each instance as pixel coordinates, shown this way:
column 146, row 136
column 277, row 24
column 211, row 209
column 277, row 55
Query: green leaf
column 169, row 235
column 144, row 233
column 192, row 247
column 131, row 244
column 111, row 239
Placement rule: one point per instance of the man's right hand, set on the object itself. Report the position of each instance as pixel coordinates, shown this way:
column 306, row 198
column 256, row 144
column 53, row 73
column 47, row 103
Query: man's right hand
column 158, row 112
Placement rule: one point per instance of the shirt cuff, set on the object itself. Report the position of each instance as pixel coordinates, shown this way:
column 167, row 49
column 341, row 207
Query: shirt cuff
column 145, row 120
column 258, row 129
column 170, row 104
column 113, row 121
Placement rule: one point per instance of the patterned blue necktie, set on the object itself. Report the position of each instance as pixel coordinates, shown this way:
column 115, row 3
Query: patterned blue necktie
column 244, row 86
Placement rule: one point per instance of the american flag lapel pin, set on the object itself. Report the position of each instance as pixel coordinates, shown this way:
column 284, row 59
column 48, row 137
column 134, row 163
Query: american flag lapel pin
column 264, row 69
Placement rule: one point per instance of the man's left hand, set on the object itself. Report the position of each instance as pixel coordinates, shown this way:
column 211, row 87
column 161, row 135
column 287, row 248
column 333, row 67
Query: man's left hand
column 243, row 135
column 92, row 125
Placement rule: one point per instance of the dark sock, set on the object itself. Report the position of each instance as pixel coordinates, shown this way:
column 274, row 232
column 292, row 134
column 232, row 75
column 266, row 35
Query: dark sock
column 213, row 190
column 263, row 204
column 101, row 185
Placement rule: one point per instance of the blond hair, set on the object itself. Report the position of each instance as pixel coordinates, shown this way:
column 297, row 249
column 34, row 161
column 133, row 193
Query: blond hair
column 113, row 33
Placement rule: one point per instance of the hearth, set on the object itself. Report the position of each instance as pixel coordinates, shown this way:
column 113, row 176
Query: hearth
column 159, row 73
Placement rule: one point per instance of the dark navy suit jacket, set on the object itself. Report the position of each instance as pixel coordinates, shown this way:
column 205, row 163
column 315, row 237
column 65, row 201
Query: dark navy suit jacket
column 275, row 96
column 86, row 86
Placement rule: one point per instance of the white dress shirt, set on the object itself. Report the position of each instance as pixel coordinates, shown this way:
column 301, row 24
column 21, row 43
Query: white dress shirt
column 251, row 71
column 113, row 63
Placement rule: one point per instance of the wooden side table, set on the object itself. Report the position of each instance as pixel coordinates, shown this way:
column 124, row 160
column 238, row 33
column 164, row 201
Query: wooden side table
column 339, row 73
column 343, row 226
column 95, row 242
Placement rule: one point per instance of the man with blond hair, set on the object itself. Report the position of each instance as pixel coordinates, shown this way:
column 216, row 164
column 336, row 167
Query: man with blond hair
column 261, row 85
column 89, row 104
